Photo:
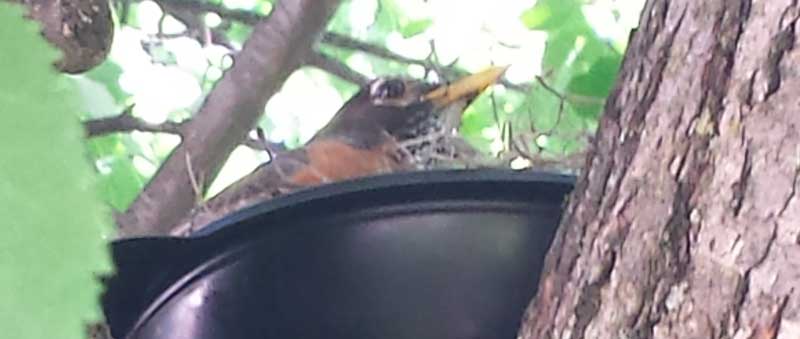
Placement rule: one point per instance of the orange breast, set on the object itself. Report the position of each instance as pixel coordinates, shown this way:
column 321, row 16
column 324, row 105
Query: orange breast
column 334, row 161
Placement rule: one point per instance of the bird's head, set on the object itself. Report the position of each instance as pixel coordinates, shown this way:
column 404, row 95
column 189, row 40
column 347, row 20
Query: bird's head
column 406, row 108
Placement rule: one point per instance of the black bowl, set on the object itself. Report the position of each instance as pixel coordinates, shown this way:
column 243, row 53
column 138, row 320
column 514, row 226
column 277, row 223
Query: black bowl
column 452, row 254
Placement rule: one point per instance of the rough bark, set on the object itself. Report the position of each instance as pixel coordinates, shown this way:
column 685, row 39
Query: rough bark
column 277, row 47
column 686, row 221
column 81, row 29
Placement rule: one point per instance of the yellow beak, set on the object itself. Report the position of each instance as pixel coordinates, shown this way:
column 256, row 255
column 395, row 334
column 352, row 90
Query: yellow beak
column 467, row 87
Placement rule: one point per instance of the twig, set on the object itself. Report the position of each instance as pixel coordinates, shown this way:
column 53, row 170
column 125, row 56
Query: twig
column 448, row 72
column 333, row 39
column 195, row 26
column 267, row 146
column 264, row 145
column 336, row 67
column 202, row 7
column 343, row 41
column 537, row 160
column 127, row 122
column 196, row 182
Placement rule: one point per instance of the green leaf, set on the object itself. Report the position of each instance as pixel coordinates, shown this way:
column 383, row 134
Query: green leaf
column 133, row 15
column 547, row 108
column 239, row 32
column 53, row 223
column 559, row 45
column 597, row 82
column 340, row 22
column 345, row 88
column 415, row 27
column 536, row 16
column 593, row 48
column 549, row 14
column 389, row 17
column 96, row 100
column 120, row 182
column 108, row 74
column 588, row 110
column 264, row 7
column 478, row 117
column 382, row 66
column 123, row 183
column 571, row 57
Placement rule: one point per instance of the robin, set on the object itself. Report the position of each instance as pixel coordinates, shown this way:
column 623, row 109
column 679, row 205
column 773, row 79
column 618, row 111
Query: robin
column 383, row 128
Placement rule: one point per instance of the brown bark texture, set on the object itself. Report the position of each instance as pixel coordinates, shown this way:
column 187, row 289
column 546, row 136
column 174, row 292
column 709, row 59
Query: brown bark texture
column 686, row 221
column 277, row 47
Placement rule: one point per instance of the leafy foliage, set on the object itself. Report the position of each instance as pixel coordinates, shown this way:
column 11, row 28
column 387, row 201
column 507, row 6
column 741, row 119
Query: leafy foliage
column 582, row 68
column 53, row 224
column 563, row 65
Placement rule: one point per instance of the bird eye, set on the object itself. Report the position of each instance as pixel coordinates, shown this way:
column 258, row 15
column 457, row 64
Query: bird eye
column 390, row 89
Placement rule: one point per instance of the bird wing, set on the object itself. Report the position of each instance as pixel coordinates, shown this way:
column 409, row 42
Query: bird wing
column 319, row 162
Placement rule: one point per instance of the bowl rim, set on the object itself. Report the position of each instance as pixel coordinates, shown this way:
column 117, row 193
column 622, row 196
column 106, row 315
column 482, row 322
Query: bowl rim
column 384, row 181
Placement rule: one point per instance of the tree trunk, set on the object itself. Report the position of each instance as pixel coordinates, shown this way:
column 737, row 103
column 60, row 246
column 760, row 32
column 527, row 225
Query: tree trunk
column 686, row 221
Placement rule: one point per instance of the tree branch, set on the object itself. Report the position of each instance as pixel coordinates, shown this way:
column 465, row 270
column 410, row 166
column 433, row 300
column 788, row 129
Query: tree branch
column 273, row 51
column 187, row 13
column 346, row 42
column 125, row 122
column 449, row 72
column 336, row 67
column 334, row 39
column 202, row 7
